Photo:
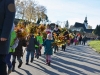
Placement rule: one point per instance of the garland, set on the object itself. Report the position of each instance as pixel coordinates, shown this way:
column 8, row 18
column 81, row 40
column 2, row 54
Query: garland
column 33, row 29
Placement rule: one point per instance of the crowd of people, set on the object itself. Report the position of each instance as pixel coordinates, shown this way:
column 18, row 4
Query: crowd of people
column 34, row 45
column 11, row 42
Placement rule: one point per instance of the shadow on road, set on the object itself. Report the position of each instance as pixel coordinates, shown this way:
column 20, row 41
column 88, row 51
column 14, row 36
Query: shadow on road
column 61, row 64
column 28, row 73
column 57, row 64
column 84, row 52
column 43, row 69
column 70, row 62
column 18, row 73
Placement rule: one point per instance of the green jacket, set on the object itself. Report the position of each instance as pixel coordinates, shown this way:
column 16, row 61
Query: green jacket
column 13, row 36
column 39, row 39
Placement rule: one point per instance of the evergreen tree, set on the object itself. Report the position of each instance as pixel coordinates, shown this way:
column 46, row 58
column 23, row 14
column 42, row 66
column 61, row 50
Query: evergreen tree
column 38, row 21
column 97, row 30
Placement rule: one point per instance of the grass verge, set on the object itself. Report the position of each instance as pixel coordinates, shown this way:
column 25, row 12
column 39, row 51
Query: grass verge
column 95, row 44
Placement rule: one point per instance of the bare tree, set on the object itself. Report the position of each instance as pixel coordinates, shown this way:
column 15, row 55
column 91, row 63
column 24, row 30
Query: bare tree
column 17, row 2
column 30, row 10
column 41, row 13
column 89, row 27
column 21, row 8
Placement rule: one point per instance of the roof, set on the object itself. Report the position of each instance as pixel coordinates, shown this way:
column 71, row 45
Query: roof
column 76, row 27
column 89, row 30
column 80, row 25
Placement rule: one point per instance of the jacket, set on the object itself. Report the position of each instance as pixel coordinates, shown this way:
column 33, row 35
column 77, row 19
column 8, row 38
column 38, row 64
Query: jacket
column 19, row 48
column 7, row 15
column 48, row 47
column 12, row 41
column 39, row 40
column 32, row 42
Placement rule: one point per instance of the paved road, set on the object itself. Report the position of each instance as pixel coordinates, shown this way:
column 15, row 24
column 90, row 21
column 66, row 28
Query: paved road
column 76, row 60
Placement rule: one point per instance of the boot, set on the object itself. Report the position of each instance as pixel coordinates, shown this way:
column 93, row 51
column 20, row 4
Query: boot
column 40, row 53
column 9, row 70
column 48, row 62
column 57, row 48
column 20, row 64
column 27, row 60
column 37, row 56
column 32, row 60
column 64, row 48
column 13, row 64
column 54, row 50
column 27, row 63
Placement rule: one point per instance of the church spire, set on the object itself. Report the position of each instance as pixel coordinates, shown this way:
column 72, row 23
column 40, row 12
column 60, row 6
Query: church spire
column 86, row 22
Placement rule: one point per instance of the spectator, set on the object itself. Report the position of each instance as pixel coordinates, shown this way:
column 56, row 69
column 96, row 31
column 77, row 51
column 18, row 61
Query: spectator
column 7, row 15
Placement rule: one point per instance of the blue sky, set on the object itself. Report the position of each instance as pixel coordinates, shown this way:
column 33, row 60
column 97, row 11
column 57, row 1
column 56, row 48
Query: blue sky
column 73, row 11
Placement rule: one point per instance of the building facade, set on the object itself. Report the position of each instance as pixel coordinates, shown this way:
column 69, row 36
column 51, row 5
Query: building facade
column 83, row 27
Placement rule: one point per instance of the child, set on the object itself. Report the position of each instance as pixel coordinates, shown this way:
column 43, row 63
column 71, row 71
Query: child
column 75, row 41
column 30, row 48
column 38, row 48
column 13, row 44
column 48, row 48
column 19, row 50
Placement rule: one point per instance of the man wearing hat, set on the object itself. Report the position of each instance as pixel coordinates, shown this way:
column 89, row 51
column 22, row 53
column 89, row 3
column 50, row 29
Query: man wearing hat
column 7, row 15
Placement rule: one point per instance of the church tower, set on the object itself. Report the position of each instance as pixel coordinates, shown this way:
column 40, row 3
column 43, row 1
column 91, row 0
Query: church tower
column 86, row 22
